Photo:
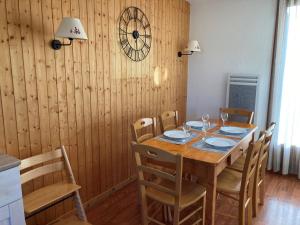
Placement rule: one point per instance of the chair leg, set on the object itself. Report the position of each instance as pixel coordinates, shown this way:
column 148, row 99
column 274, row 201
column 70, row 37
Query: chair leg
column 262, row 193
column 241, row 213
column 165, row 213
column 176, row 216
column 144, row 210
column 255, row 200
column 138, row 196
column 169, row 214
column 79, row 207
column 203, row 209
column 249, row 213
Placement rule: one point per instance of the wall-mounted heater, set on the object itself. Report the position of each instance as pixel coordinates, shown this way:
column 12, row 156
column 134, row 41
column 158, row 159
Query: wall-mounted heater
column 242, row 92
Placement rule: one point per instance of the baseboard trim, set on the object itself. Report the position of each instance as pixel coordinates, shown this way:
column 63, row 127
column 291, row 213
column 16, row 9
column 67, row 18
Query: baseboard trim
column 99, row 198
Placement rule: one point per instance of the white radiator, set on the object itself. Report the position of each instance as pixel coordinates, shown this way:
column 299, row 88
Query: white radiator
column 242, row 92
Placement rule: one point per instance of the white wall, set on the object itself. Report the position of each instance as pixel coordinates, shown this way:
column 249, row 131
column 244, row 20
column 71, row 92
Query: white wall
column 236, row 36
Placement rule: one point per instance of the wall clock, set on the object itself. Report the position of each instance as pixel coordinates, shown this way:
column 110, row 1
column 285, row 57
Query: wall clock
column 135, row 33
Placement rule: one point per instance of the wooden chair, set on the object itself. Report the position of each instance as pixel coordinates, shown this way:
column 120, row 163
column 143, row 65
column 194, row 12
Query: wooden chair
column 47, row 196
column 239, row 186
column 259, row 190
column 168, row 120
column 238, row 165
column 136, row 129
column 168, row 189
column 237, row 114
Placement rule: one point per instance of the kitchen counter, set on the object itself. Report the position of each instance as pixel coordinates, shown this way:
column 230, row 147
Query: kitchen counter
column 7, row 162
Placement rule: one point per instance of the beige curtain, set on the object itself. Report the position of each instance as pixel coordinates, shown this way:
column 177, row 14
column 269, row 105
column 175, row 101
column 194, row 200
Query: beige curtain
column 285, row 104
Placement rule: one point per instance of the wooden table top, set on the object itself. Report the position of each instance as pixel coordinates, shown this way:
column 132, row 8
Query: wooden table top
column 210, row 157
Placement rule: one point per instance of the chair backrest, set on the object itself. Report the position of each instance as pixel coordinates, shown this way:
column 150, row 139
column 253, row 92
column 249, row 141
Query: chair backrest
column 233, row 112
column 143, row 153
column 43, row 164
column 168, row 120
column 250, row 168
column 138, row 126
column 263, row 158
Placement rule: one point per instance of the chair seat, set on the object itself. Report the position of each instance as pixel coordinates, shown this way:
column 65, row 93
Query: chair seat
column 46, row 196
column 229, row 181
column 238, row 165
column 191, row 193
column 73, row 220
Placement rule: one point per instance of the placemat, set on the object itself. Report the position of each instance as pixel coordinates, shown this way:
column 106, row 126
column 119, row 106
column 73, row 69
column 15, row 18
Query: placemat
column 181, row 142
column 232, row 135
column 201, row 145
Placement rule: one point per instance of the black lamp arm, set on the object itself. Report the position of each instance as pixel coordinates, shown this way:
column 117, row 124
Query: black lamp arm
column 181, row 53
column 56, row 44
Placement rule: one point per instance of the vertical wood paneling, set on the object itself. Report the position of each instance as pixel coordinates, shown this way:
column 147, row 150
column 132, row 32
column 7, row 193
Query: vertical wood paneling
column 17, row 73
column 107, row 95
column 85, row 73
column 51, row 84
column 7, row 89
column 86, row 95
column 79, row 107
column 124, row 110
column 100, row 87
column 2, row 131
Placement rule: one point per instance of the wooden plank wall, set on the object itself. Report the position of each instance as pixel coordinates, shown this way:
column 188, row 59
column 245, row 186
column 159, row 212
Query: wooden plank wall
column 85, row 96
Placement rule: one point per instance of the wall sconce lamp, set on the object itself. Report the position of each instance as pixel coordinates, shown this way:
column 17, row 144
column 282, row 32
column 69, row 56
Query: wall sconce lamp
column 193, row 46
column 70, row 28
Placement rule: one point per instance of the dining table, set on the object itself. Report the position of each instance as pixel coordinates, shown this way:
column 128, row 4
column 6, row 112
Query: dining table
column 206, row 165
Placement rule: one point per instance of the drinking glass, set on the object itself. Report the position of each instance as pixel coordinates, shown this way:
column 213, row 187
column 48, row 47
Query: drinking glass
column 205, row 118
column 205, row 128
column 186, row 128
column 224, row 117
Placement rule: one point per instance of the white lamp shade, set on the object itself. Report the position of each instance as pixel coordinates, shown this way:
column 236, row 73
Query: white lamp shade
column 193, row 46
column 71, row 28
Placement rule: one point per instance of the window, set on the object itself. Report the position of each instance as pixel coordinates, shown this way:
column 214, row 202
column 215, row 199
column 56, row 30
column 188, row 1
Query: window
column 289, row 125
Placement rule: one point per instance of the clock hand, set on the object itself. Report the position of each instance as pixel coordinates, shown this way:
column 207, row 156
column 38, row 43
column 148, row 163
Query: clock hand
column 145, row 44
column 142, row 39
column 136, row 44
column 125, row 31
column 145, row 35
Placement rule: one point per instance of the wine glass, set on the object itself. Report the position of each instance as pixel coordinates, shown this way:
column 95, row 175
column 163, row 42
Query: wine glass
column 224, row 117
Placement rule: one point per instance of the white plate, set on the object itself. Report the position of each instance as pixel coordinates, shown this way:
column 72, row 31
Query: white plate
column 233, row 130
column 220, row 142
column 195, row 123
column 176, row 134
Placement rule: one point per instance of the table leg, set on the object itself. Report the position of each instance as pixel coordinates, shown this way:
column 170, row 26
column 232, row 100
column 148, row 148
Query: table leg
column 211, row 195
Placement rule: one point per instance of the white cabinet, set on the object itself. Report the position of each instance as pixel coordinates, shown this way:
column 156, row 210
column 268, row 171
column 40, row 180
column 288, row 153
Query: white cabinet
column 11, row 203
column 4, row 215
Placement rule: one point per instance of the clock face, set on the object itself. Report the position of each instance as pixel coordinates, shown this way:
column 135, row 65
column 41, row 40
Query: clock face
column 135, row 33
